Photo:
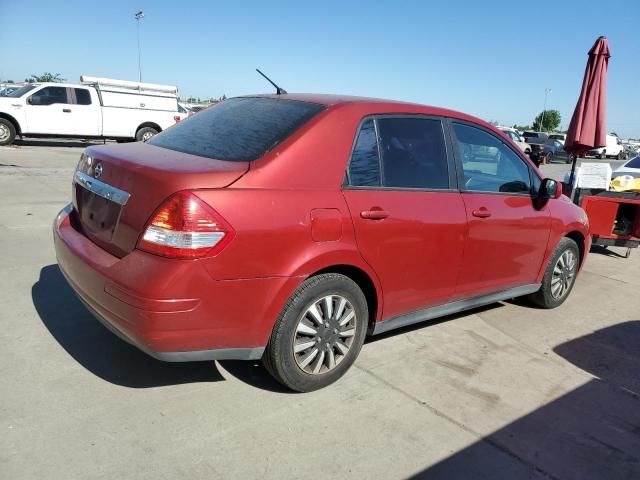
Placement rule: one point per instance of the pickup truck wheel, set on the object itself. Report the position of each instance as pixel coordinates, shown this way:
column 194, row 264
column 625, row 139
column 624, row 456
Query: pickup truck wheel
column 319, row 333
column 145, row 133
column 621, row 156
column 559, row 277
column 7, row 132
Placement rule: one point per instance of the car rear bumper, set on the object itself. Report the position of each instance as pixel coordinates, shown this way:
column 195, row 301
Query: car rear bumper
column 171, row 309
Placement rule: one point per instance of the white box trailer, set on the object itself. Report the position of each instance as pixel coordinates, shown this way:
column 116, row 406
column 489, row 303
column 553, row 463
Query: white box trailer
column 94, row 108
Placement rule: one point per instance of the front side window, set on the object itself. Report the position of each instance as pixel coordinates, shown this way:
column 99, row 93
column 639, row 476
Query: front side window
column 238, row 129
column 83, row 97
column 413, row 153
column 364, row 167
column 49, row 96
column 488, row 164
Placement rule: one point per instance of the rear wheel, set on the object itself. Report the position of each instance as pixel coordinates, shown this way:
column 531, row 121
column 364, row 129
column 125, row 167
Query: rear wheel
column 7, row 132
column 318, row 334
column 559, row 277
column 145, row 133
column 603, row 155
column 548, row 158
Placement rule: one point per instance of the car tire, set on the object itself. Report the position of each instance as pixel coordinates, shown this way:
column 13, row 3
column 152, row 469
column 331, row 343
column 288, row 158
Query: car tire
column 603, row 155
column 548, row 158
column 559, row 277
column 310, row 323
column 145, row 133
column 621, row 156
column 7, row 132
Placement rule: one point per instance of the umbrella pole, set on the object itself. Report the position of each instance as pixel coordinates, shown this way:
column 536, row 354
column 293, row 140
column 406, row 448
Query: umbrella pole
column 571, row 177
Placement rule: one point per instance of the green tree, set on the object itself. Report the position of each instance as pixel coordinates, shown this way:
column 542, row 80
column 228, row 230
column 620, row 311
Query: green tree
column 547, row 121
column 45, row 77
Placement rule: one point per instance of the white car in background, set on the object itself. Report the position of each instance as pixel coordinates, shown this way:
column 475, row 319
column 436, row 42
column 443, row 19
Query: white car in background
column 514, row 135
column 613, row 149
column 561, row 137
column 632, row 168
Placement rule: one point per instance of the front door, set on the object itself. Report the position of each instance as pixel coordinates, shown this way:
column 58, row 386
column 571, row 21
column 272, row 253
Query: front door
column 508, row 232
column 48, row 111
column 409, row 221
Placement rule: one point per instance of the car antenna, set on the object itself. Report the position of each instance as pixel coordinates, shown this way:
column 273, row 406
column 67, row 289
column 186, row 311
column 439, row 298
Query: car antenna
column 279, row 91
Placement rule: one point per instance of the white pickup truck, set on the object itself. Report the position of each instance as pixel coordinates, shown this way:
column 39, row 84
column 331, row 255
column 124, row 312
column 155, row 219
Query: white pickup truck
column 94, row 108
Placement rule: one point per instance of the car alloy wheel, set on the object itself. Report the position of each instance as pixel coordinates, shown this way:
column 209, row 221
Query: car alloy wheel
column 324, row 334
column 4, row 133
column 564, row 273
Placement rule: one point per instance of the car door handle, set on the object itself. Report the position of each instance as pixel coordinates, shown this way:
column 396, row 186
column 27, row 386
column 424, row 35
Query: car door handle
column 66, row 110
column 481, row 213
column 374, row 214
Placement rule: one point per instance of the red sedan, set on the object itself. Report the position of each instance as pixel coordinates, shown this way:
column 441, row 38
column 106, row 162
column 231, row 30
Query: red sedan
column 288, row 227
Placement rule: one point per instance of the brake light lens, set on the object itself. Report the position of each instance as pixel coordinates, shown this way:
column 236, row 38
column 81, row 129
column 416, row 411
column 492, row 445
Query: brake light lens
column 185, row 227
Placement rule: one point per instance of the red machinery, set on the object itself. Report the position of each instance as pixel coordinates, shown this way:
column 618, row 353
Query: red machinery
column 614, row 217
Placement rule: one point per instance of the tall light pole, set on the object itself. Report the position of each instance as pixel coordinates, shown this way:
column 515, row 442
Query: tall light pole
column 139, row 16
column 547, row 91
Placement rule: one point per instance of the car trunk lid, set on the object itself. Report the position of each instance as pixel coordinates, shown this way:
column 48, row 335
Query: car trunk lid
column 117, row 191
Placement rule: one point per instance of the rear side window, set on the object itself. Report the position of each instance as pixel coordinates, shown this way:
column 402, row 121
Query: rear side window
column 413, row 153
column 239, row 129
column 364, row 168
column 82, row 96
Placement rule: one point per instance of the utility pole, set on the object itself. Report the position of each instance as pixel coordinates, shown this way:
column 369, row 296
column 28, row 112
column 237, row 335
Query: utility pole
column 139, row 16
column 547, row 91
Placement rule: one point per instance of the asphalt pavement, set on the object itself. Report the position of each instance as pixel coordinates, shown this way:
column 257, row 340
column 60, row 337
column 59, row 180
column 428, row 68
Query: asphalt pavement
column 502, row 392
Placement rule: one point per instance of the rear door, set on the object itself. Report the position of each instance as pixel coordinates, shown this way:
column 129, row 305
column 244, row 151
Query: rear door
column 85, row 112
column 409, row 219
column 508, row 231
column 48, row 111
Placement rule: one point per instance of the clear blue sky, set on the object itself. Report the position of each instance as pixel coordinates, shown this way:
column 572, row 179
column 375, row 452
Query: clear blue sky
column 490, row 59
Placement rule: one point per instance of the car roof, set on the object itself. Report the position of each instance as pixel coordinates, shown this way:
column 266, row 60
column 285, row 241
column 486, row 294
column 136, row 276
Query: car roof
column 392, row 106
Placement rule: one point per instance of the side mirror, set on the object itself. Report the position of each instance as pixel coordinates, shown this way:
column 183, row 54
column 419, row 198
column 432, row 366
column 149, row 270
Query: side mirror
column 550, row 188
column 30, row 100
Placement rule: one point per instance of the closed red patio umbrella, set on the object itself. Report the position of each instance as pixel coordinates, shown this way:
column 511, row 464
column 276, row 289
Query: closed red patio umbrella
column 587, row 129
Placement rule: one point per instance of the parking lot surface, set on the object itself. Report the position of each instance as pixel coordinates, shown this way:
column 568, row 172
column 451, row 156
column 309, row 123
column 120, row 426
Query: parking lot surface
column 506, row 391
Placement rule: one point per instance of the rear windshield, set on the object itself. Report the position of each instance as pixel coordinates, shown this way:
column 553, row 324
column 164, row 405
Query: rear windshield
column 239, row 129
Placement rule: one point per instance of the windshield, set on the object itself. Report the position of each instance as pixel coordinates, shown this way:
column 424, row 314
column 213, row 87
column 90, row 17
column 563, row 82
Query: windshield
column 21, row 91
column 239, row 129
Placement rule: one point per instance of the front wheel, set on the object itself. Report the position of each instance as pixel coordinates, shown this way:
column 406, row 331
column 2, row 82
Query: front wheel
column 145, row 133
column 559, row 277
column 319, row 333
column 603, row 155
column 621, row 156
column 7, row 132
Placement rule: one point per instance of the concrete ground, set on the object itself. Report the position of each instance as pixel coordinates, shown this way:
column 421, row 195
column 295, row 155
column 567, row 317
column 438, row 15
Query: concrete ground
column 505, row 392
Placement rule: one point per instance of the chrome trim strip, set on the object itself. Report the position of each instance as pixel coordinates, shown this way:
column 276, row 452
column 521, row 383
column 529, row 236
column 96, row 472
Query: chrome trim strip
column 101, row 189
column 452, row 307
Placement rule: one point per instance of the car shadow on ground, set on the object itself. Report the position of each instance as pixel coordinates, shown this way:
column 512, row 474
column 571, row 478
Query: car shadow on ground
column 100, row 351
column 590, row 432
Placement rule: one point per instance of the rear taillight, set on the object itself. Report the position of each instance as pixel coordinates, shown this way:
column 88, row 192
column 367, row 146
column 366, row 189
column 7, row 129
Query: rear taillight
column 185, row 227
